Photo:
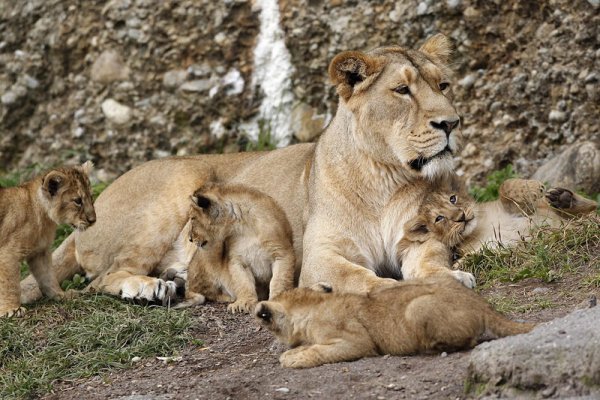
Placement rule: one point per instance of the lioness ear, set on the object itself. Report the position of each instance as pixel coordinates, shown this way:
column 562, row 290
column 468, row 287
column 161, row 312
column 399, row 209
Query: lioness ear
column 200, row 201
column 349, row 69
column 87, row 167
column 52, row 182
column 439, row 47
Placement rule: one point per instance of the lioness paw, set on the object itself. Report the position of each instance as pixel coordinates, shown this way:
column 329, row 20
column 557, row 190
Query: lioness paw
column 147, row 289
column 465, row 278
column 242, row 306
column 13, row 312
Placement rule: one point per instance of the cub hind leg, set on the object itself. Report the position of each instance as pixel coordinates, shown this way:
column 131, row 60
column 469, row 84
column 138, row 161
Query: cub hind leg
column 521, row 196
column 567, row 203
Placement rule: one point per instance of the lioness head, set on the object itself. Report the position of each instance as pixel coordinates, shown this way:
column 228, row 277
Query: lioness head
column 400, row 105
column 446, row 215
column 211, row 218
column 67, row 196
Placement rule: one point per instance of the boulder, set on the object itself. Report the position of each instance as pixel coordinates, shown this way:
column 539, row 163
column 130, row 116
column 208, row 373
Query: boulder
column 560, row 358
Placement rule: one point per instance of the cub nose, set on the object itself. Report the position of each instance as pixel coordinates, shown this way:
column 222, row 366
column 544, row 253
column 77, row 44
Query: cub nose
column 446, row 125
column 463, row 218
column 91, row 219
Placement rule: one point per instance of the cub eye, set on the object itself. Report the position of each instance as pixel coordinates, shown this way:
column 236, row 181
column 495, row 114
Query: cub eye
column 78, row 201
column 402, row 89
column 444, row 85
column 439, row 218
column 453, row 199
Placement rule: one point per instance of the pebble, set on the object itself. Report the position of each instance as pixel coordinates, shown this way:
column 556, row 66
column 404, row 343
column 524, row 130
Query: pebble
column 282, row 390
column 174, row 78
column 109, row 67
column 557, row 116
column 468, row 81
column 199, row 85
column 116, row 112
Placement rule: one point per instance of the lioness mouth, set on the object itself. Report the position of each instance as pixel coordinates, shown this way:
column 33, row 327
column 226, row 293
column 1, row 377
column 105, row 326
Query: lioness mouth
column 418, row 163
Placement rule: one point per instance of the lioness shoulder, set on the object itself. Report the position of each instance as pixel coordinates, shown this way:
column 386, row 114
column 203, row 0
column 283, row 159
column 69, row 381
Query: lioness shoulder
column 411, row 317
column 29, row 215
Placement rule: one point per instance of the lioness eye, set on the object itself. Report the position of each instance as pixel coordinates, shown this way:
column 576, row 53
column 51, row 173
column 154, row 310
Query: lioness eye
column 453, row 199
column 402, row 89
column 78, row 201
column 439, row 218
column 444, row 86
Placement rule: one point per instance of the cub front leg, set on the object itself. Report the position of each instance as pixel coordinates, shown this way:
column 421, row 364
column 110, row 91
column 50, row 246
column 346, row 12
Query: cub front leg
column 240, row 281
column 336, row 350
column 40, row 266
column 283, row 274
column 10, row 290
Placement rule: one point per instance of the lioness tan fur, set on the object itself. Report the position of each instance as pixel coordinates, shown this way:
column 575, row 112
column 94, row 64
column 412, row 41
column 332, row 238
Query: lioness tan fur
column 244, row 243
column 395, row 123
column 29, row 215
column 418, row 316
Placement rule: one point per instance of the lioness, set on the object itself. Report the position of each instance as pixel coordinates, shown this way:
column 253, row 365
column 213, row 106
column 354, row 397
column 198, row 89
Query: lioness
column 418, row 316
column 523, row 205
column 29, row 215
column 395, row 123
column 244, row 243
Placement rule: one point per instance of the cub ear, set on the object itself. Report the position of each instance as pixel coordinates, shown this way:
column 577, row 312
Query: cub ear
column 351, row 68
column 52, row 182
column 200, row 201
column 439, row 47
column 416, row 229
column 87, row 167
column 322, row 287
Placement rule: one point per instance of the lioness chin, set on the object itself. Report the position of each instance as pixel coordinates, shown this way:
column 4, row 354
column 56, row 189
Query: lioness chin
column 395, row 123
column 419, row 316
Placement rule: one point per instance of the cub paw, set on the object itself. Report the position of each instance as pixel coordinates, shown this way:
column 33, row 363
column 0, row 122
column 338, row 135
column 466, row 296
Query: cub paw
column 147, row 289
column 242, row 306
column 13, row 312
column 297, row 359
column 560, row 198
column 465, row 278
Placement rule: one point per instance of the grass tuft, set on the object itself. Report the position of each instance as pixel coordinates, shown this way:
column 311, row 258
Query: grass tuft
column 81, row 338
column 490, row 191
column 549, row 254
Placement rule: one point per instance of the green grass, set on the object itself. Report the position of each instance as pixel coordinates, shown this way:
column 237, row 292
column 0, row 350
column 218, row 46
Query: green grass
column 63, row 341
column 489, row 192
column 264, row 141
column 549, row 255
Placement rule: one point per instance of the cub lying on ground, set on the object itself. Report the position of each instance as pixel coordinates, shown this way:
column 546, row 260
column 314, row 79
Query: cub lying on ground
column 244, row 243
column 29, row 214
column 418, row 316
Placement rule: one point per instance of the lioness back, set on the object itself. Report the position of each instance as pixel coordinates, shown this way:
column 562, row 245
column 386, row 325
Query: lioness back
column 29, row 215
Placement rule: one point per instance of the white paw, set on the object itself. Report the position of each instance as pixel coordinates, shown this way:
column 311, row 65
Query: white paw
column 146, row 288
column 465, row 278
column 15, row 312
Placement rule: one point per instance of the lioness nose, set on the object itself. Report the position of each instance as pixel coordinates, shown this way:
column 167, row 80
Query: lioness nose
column 446, row 125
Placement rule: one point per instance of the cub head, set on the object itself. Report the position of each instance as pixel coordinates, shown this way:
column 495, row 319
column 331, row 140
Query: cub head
column 399, row 104
column 210, row 216
column 446, row 215
column 67, row 196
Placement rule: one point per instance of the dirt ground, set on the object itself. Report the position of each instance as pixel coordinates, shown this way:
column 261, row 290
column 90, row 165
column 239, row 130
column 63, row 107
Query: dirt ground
column 240, row 361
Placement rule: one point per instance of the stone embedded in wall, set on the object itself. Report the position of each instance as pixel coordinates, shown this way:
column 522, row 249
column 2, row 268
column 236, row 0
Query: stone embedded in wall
column 116, row 112
column 577, row 167
column 306, row 123
column 109, row 67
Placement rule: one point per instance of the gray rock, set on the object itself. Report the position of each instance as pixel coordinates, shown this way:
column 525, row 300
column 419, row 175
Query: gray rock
column 577, row 167
column 174, row 78
column 109, row 67
column 116, row 112
column 562, row 356
column 199, row 85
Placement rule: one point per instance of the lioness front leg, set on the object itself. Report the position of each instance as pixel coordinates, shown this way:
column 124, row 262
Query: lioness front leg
column 283, row 275
column 335, row 350
column 130, row 286
column 40, row 266
column 240, row 281
column 10, row 291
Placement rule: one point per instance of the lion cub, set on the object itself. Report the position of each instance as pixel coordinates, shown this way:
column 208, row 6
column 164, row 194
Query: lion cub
column 410, row 317
column 244, row 243
column 29, row 215
column 445, row 216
